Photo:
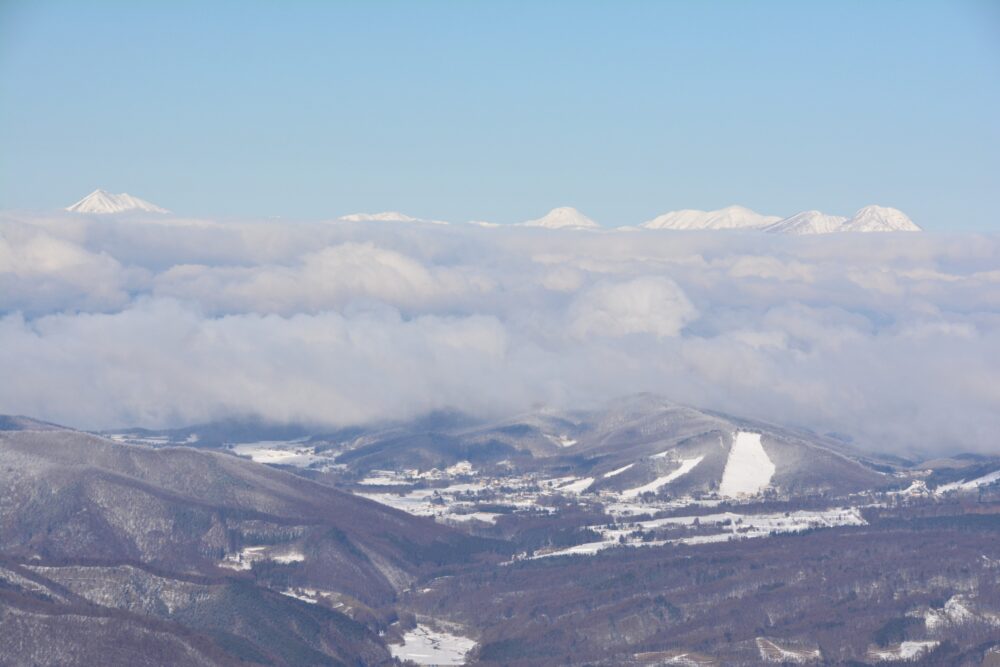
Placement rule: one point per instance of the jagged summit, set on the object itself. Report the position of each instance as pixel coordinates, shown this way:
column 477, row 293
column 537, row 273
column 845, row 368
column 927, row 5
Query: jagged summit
column 730, row 217
column 564, row 217
column 102, row 201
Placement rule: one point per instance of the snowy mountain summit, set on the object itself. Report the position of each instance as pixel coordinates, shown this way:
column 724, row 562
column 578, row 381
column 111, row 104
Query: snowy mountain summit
column 880, row 219
column 564, row 217
column 808, row 222
column 101, row 201
column 731, row 217
column 869, row 219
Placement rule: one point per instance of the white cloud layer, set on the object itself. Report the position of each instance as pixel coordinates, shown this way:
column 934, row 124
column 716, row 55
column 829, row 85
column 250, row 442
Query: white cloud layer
column 646, row 305
column 894, row 339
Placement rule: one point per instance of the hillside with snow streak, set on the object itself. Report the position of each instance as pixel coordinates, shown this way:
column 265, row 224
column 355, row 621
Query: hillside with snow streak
column 748, row 469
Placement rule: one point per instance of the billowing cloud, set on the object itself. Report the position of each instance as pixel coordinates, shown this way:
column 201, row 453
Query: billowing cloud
column 326, row 279
column 647, row 305
column 40, row 273
column 892, row 339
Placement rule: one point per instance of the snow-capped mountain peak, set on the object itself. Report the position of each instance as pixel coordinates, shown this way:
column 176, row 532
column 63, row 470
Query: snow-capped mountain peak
column 101, row 201
column 808, row 222
column 868, row 219
column 564, row 217
column 880, row 219
column 730, row 217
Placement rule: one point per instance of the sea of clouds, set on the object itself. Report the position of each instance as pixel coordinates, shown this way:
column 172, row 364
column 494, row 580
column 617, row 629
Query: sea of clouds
column 107, row 321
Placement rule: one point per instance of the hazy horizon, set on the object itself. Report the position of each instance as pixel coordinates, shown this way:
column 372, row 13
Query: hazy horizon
column 482, row 112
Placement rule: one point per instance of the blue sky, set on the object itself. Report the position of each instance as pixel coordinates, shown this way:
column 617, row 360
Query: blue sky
column 500, row 111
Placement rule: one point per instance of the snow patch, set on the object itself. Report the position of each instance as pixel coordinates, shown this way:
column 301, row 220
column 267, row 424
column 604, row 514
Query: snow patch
column 687, row 465
column 579, row 486
column 280, row 452
column 485, row 517
column 299, row 595
column 904, row 651
column 772, row 650
column 972, row 485
column 244, row 559
column 957, row 611
column 618, row 471
column 290, row 557
column 426, row 646
column 561, row 440
column 384, row 478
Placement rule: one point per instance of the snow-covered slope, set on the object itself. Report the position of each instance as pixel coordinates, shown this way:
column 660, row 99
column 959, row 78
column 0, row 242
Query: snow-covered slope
column 101, row 201
column 748, row 469
column 879, row 219
column 731, row 217
column 808, row 222
column 868, row 219
column 564, row 217
column 686, row 466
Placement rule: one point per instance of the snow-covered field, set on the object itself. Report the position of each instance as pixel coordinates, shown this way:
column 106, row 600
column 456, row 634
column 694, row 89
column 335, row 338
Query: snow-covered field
column 722, row 527
column 244, row 559
column 148, row 440
column 426, row 646
column 282, row 452
column 562, row 440
column 385, row 478
column 405, row 477
column 445, row 504
column 958, row 610
column 971, row 485
column 578, row 486
column 905, row 651
column 748, row 470
column 774, row 650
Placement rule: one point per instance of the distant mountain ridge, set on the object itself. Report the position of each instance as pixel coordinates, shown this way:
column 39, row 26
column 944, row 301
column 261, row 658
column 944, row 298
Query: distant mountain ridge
column 868, row 219
column 872, row 218
column 731, row 217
